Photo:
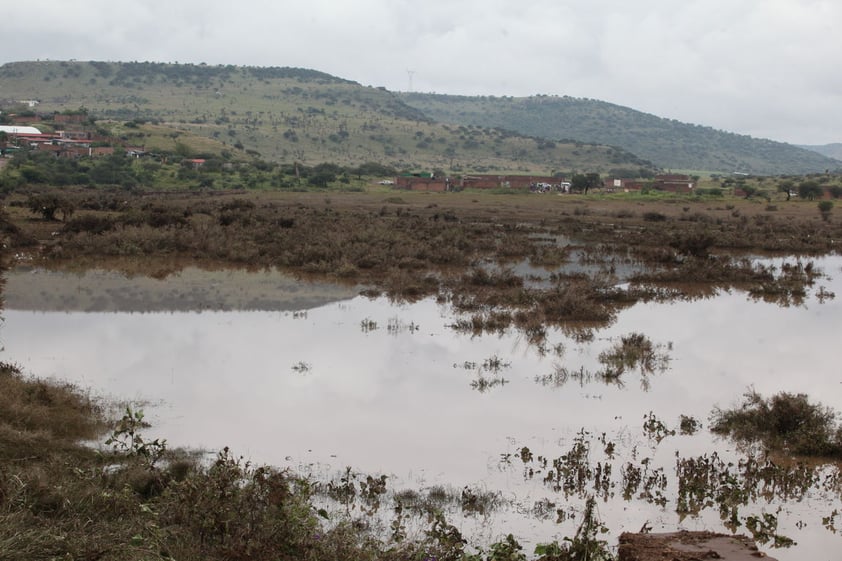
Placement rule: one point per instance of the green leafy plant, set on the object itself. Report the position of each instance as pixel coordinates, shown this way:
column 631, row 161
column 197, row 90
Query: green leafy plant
column 444, row 541
column 507, row 550
column 764, row 529
column 126, row 439
column 586, row 545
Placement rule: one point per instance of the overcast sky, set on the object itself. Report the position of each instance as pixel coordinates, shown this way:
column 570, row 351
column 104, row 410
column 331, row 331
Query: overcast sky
column 768, row 68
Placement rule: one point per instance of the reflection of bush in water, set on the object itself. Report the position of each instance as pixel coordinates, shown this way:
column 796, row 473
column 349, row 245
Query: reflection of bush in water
column 483, row 384
column 735, row 489
column 633, row 351
column 471, row 500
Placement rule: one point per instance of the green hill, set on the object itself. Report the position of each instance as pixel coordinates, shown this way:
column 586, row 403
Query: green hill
column 833, row 150
column 289, row 115
column 668, row 143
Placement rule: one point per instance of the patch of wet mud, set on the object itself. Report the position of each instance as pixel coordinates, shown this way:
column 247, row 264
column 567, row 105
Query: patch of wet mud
column 687, row 546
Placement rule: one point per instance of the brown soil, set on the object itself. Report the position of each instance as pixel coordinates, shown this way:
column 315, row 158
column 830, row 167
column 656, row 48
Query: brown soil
column 687, row 546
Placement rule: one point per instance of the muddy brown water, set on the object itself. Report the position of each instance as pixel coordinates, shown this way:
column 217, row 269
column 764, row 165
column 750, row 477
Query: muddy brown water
column 318, row 378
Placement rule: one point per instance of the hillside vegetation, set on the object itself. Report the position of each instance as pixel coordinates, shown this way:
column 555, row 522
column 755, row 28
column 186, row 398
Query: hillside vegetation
column 668, row 143
column 290, row 115
column 833, row 150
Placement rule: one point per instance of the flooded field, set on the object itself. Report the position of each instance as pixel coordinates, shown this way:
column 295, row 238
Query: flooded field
column 507, row 436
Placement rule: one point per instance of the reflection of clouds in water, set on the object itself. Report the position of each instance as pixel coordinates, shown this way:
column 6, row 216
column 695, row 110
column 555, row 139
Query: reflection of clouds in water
column 729, row 343
column 393, row 402
column 231, row 372
column 189, row 289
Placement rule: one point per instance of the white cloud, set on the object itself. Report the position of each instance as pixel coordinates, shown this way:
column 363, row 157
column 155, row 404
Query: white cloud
column 761, row 67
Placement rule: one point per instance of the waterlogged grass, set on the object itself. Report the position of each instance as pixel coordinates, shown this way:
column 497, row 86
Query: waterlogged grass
column 139, row 500
column 784, row 422
column 37, row 416
column 163, row 505
column 488, row 374
column 632, row 353
column 302, row 367
column 133, row 499
column 401, row 246
column 747, row 494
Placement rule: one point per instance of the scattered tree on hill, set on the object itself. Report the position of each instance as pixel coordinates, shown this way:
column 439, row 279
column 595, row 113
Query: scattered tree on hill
column 810, row 190
column 787, row 187
column 183, row 150
column 374, row 169
column 115, row 169
column 749, row 190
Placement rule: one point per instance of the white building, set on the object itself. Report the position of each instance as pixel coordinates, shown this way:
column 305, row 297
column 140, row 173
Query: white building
column 13, row 129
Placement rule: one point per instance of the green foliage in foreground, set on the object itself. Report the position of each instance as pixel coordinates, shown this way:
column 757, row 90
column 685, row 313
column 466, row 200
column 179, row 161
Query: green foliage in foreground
column 785, row 421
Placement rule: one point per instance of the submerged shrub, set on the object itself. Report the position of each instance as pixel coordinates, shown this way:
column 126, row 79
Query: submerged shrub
column 634, row 350
column 89, row 223
column 585, row 545
column 696, row 244
column 784, row 421
column 653, row 216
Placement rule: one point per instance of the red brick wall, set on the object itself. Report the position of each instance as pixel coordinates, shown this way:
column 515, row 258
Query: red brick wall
column 420, row 184
column 511, row 181
column 102, row 151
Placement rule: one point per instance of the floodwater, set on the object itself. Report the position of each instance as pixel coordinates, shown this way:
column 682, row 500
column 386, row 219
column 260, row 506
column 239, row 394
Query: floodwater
column 317, row 378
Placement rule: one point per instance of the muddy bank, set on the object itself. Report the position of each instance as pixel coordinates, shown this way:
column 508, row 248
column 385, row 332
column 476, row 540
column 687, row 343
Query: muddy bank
column 688, row 546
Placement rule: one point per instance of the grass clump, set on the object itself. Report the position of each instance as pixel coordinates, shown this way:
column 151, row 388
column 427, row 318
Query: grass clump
column 785, row 421
column 36, row 415
column 634, row 350
column 60, row 498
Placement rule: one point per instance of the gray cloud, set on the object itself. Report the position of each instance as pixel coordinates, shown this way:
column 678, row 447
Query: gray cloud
column 761, row 67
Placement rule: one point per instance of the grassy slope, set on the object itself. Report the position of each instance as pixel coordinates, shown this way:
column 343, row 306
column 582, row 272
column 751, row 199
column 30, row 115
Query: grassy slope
column 833, row 150
column 293, row 115
column 667, row 143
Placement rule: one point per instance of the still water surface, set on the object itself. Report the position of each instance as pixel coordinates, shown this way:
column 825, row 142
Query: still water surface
column 313, row 377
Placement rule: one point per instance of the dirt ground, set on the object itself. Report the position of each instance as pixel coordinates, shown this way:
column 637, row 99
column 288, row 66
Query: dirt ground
column 688, row 546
